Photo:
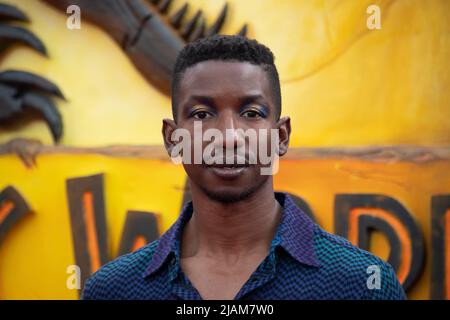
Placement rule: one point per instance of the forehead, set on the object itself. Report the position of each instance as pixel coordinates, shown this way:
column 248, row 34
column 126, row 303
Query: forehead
column 216, row 78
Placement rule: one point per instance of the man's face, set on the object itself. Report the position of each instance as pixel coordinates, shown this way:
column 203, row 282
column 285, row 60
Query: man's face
column 227, row 96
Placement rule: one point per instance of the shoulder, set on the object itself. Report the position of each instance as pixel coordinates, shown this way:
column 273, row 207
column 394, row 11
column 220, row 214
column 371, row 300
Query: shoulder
column 332, row 248
column 363, row 273
column 114, row 276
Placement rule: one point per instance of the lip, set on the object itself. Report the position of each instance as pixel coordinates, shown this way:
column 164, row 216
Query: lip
column 227, row 172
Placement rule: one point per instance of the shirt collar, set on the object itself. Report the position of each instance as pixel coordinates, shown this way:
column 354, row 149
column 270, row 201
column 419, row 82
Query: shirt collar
column 295, row 234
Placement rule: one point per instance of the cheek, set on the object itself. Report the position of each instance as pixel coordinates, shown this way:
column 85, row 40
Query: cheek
column 192, row 170
column 198, row 174
column 267, row 145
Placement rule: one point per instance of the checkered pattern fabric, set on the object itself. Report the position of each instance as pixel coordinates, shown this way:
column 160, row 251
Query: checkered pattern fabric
column 304, row 262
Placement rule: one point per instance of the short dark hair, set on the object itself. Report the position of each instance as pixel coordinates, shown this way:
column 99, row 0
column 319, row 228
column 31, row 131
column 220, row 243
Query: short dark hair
column 226, row 48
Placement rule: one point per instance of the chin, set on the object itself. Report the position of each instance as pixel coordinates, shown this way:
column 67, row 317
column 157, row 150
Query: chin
column 231, row 194
column 226, row 196
column 226, row 189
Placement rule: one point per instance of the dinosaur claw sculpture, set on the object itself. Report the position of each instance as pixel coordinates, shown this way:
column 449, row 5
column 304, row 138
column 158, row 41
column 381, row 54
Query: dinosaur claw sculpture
column 23, row 92
column 147, row 31
column 47, row 109
column 29, row 81
column 12, row 34
column 8, row 12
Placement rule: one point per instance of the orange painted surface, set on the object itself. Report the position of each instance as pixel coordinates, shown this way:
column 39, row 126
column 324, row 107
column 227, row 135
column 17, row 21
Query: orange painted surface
column 5, row 209
column 139, row 242
column 88, row 206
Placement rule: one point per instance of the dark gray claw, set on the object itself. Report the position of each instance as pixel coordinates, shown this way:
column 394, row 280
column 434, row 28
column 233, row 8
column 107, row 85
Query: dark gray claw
column 8, row 12
column 9, row 105
column 21, row 91
column 28, row 81
column 12, row 34
column 48, row 111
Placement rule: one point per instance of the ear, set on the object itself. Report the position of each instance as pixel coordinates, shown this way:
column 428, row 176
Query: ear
column 168, row 128
column 284, row 132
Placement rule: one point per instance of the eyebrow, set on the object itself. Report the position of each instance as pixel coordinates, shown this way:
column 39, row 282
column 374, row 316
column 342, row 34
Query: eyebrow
column 202, row 99
column 255, row 97
column 209, row 101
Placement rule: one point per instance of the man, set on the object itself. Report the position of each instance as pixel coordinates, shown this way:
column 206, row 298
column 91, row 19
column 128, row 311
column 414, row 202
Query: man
column 237, row 238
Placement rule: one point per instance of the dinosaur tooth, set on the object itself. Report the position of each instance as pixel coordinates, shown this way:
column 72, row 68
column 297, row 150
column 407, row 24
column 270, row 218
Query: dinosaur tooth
column 177, row 17
column 164, row 6
column 243, row 31
column 189, row 26
column 198, row 31
column 214, row 29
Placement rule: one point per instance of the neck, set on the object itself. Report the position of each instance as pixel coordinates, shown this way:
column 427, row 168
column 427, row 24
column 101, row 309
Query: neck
column 231, row 229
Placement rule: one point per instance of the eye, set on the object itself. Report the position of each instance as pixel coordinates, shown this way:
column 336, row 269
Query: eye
column 201, row 115
column 252, row 114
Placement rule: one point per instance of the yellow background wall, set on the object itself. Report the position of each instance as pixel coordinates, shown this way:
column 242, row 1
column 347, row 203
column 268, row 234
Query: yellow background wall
column 341, row 83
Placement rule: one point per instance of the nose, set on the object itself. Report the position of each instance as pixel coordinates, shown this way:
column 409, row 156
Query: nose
column 227, row 124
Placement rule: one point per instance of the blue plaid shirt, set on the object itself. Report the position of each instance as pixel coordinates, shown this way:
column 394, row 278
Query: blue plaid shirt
column 304, row 262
